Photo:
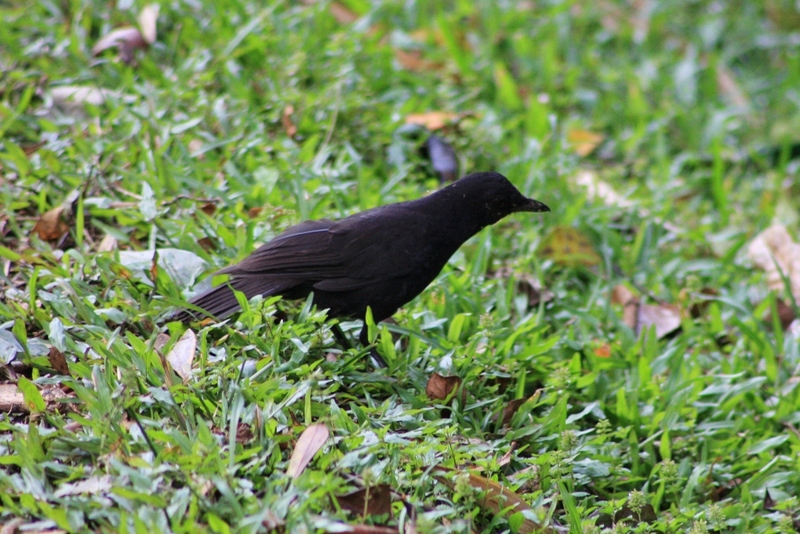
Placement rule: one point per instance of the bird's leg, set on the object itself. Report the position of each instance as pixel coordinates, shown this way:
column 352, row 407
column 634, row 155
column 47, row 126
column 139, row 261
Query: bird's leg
column 363, row 338
column 340, row 337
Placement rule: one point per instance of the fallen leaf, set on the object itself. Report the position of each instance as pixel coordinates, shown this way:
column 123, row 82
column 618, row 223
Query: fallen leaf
column 527, row 285
column 209, row 208
column 342, row 13
column 511, row 408
column 50, row 225
column 161, row 341
column 569, row 247
column 442, row 387
column 665, row 317
column 583, row 141
column 443, row 158
column 310, row 442
column 726, row 82
column 774, row 251
column 598, row 190
column 126, row 40
column 498, row 499
column 413, row 60
column 207, row 243
column 181, row 355
column 243, row 433
column 11, row 399
column 286, row 120
column 67, row 96
column 147, row 22
column 58, row 361
column 432, row 120
column 638, row 316
column 107, row 244
column 506, row 458
column 374, row 500
column 360, row 529
column 602, row 351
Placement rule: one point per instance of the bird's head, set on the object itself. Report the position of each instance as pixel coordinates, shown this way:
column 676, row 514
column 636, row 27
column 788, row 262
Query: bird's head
column 490, row 196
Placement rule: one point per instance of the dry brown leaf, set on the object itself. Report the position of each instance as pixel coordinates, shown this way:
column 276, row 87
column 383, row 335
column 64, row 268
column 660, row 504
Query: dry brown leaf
column 12, row 400
column 442, row 387
column 286, row 120
column 342, row 13
column 363, row 529
column 774, row 251
column 243, row 433
column 161, row 341
column 726, row 81
column 207, row 243
column 527, row 285
column 569, row 247
column 432, row 120
column 181, row 355
column 638, row 316
column 413, row 60
column 107, row 244
column 52, row 394
column 665, row 317
column 208, row 208
column 126, row 40
column 73, row 97
column 310, row 442
column 510, row 409
column 506, row 458
column 147, row 22
column 375, row 500
column 497, row 499
column 583, row 141
column 598, row 190
column 602, row 351
column 58, row 361
column 51, row 226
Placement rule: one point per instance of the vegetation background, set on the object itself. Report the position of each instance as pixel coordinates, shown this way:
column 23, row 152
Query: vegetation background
column 621, row 364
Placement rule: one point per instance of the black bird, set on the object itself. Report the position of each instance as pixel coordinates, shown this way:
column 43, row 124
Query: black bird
column 381, row 258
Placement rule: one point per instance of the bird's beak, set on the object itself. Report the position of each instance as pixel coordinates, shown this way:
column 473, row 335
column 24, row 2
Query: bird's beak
column 533, row 205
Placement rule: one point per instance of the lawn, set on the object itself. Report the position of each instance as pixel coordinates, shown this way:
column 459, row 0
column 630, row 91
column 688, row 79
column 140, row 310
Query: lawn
column 628, row 362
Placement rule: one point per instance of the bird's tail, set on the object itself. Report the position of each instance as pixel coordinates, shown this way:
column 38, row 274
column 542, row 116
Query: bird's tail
column 220, row 301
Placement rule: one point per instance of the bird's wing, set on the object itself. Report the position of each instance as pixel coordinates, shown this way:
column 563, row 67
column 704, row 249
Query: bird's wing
column 377, row 245
column 345, row 255
column 304, row 251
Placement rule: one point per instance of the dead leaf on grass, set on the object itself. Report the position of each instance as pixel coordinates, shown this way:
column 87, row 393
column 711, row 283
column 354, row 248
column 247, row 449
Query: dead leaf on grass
column 375, row 500
column 147, row 19
column 666, row 318
column 498, row 499
column 181, row 355
column 126, row 40
column 583, row 141
column 107, row 244
column 310, row 442
column 414, row 61
column 598, row 190
column 51, row 225
column 12, row 400
column 569, row 247
column 286, row 119
column 774, row 251
column 433, row 120
column 442, row 387
column 58, row 361
column 342, row 13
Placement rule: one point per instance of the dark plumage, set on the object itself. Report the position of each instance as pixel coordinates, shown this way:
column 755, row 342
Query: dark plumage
column 381, row 258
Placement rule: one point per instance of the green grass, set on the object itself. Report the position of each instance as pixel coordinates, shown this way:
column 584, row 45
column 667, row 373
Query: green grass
column 697, row 106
